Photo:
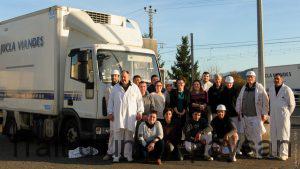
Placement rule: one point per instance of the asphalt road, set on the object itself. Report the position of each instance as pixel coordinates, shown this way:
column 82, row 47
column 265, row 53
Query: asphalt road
column 9, row 161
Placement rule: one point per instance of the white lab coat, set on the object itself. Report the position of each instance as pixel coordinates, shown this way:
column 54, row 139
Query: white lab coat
column 111, row 129
column 281, row 108
column 124, row 106
column 261, row 103
column 253, row 126
column 107, row 94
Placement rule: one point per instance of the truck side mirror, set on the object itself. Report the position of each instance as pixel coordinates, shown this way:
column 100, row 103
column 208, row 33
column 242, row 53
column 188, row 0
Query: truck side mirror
column 83, row 56
column 83, row 74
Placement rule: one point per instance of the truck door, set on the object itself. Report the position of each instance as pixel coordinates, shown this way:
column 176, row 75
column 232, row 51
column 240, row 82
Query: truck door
column 80, row 91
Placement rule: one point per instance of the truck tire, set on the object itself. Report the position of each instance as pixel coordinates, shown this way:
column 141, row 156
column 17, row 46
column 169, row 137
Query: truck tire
column 70, row 134
column 11, row 129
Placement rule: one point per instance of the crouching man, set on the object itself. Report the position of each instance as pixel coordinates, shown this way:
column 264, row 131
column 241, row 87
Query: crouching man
column 151, row 138
column 198, row 132
column 224, row 132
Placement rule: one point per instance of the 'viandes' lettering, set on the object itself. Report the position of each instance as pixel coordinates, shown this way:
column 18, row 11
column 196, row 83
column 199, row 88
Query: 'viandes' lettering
column 22, row 44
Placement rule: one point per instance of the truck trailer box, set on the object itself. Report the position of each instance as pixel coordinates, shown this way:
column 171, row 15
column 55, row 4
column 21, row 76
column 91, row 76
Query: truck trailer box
column 31, row 47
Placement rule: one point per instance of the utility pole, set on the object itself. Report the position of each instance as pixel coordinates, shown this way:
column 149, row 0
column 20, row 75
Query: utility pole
column 260, row 44
column 150, row 12
column 192, row 55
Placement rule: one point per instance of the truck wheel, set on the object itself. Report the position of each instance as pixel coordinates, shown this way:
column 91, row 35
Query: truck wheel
column 11, row 127
column 71, row 135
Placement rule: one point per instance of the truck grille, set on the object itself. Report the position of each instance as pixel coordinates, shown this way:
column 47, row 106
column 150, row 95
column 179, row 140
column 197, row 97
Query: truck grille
column 99, row 17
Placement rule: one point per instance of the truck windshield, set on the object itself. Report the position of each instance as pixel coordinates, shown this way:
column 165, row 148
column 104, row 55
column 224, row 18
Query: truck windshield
column 136, row 63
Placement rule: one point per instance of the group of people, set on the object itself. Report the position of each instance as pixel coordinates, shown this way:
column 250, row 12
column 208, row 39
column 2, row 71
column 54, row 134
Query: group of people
column 157, row 121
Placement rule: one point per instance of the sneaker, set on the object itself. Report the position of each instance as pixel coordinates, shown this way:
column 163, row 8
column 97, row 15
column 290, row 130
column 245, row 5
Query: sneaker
column 208, row 158
column 233, row 158
column 271, row 157
column 283, row 158
column 251, row 153
column 158, row 161
column 238, row 152
column 180, row 158
column 107, row 157
column 129, row 159
column 116, row 159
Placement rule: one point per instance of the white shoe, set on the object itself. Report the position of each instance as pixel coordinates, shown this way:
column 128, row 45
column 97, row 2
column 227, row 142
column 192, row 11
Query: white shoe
column 238, row 152
column 129, row 159
column 116, row 159
column 233, row 158
column 107, row 157
column 208, row 158
column 251, row 153
column 283, row 158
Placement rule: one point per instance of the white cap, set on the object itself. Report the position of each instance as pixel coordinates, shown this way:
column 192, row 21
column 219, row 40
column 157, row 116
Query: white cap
column 169, row 82
column 221, row 107
column 229, row 79
column 250, row 73
column 115, row 72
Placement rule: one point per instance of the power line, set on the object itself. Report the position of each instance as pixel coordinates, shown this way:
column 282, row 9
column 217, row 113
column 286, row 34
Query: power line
column 243, row 55
column 238, row 42
column 219, row 45
column 132, row 12
column 233, row 46
column 206, row 4
column 194, row 4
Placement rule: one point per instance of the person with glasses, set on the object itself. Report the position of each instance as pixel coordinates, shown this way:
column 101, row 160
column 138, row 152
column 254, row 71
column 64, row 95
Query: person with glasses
column 159, row 100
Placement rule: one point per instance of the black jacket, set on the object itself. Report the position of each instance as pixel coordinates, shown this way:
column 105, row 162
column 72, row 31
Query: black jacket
column 229, row 97
column 174, row 98
column 215, row 97
column 221, row 127
column 151, row 88
column 192, row 127
column 172, row 132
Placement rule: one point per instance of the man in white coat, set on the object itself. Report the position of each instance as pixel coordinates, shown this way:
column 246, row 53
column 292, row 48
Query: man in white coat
column 282, row 105
column 115, row 74
column 252, row 107
column 125, row 106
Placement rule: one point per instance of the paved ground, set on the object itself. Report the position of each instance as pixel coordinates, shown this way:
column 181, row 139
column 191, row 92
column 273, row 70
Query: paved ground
column 7, row 159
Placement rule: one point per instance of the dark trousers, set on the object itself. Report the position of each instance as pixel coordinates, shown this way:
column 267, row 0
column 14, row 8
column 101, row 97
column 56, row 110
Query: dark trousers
column 175, row 154
column 156, row 153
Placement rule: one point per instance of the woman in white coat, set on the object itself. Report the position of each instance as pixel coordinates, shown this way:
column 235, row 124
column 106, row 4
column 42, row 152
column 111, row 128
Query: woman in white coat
column 125, row 106
column 282, row 105
column 252, row 106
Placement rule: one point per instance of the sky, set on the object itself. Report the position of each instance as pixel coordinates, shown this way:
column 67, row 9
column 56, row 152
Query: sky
column 225, row 31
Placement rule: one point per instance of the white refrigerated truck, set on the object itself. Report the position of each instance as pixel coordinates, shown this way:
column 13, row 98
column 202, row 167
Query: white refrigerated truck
column 55, row 65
